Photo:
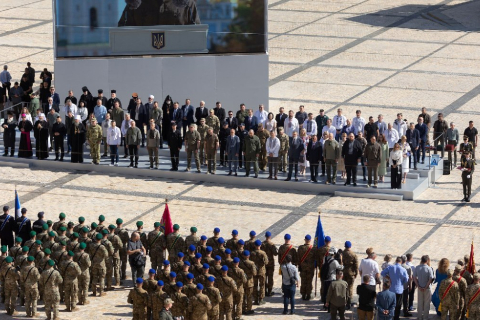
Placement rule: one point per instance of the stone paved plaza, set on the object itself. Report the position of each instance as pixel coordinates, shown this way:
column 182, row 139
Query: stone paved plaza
column 377, row 56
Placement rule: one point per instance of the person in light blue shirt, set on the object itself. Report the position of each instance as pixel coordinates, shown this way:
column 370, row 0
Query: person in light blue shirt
column 358, row 122
column 100, row 112
column 398, row 277
column 386, row 302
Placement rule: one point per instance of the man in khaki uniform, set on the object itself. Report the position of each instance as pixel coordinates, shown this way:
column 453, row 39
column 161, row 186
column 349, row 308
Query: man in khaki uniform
column 175, row 242
column 213, row 122
column 51, row 280
column 240, row 278
column 29, row 278
column 199, row 305
column 271, row 250
column 123, row 234
column 472, row 298
column 462, row 286
column 228, row 288
column 192, row 146
column 83, row 261
column 70, row 271
column 109, row 261
column 251, row 271
column 94, row 138
column 117, row 246
column 139, row 298
column 449, row 294
column 306, row 264
column 263, row 135
column 283, row 151
column 180, row 302
column 99, row 255
column 215, row 298
column 260, row 259
column 350, row 269
column 287, row 249
column 202, row 129
column 211, row 146
column 156, row 246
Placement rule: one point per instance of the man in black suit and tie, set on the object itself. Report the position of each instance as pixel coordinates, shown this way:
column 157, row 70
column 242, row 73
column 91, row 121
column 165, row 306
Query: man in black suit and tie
column 139, row 115
column 413, row 139
column 280, row 118
column 232, row 121
column 188, row 112
column 219, row 112
column 201, row 112
column 294, row 153
column 177, row 115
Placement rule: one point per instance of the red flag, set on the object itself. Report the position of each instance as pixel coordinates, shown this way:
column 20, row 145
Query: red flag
column 166, row 222
column 471, row 261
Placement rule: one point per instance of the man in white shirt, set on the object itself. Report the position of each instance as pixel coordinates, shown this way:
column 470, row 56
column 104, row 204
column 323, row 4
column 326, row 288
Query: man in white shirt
column 370, row 266
column 381, row 125
column 392, row 136
column 69, row 105
column 273, row 146
column 310, row 125
column 329, row 128
column 291, row 125
column 124, row 129
column 358, row 122
column 114, row 137
column 339, row 121
column 400, row 125
column 105, row 126
column 261, row 115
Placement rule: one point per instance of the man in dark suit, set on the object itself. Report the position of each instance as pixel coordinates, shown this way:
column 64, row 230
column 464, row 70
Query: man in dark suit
column 232, row 121
column 139, row 115
column 351, row 153
column 251, row 122
column 23, row 226
column 413, row 139
column 294, row 153
column 201, row 112
column 177, row 115
column 188, row 113
column 423, row 130
column 219, row 112
column 280, row 118
column 7, row 226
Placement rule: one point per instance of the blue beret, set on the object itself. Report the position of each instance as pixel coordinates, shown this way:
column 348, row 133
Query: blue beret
column 199, row 286
column 234, row 232
column 216, row 230
column 348, row 244
column 166, row 262
column 258, row 243
column 160, row 283
column 179, row 284
column 236, row 260
column 209, row 249
column 246, row 253
column 308, row 237
column 241, row 242
column 287, row 237
column 224, row 268
column 190, row 276
column 152, row 271
column 206, row 266
column 186, row 263
column 211, row 279
column 228, row 251
column 173, row 275
column 198, row 255
column 221, row 240
column 191, row 247
column 253, row 233
column 139, row 280
column 217, row 258
column 327, row 238
column 203, row 238
column 180, row 255
column 268, row 234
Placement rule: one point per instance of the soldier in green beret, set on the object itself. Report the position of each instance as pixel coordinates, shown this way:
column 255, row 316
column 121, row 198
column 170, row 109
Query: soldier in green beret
column 191, row 239
column 70, row 226
column 70, row 272
column 33, row 238
column 73, row 244
column 10, row 279
column 83, row 260
column 175, row 243
column 109, row 260
column 101, row 226
column 50, row 281
column 62, row 235
column 117, row 246
column 99, row 255
column 93, row 230
column 3, row 256
column 61, row 222
column 29, row 281
column 123, row 234
column 143, row 235
column 156, row 244
column 80, row 225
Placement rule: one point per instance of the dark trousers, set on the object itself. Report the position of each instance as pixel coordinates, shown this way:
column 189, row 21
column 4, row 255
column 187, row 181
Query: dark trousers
column 114, row 154
column 396, row 177
column 421, row 147
column 405, row 300
column 323, row 167
column 325, row 285
column 398, row 306
column 291, row 166
column 411, row 295
column 372, row 172
column 331, row 170
column 364, row 169
column 223, row 146
column 467, row 183
column 351, row 173
column 313, row 172
column 288, row 297
column 142, row 130
column 69, row 146
column 334, row 310
column 272, row 166
column 59, row 145
column 12, row 150
column 414, row 154
column 174, row 157
column 133, row 149
column 125, row 149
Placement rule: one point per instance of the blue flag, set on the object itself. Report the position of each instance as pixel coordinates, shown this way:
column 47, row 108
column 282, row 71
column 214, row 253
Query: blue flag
column 18, row 214
column 319, row 235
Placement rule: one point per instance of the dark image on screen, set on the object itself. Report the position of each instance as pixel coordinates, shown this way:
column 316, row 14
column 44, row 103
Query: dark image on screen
column 95, row 28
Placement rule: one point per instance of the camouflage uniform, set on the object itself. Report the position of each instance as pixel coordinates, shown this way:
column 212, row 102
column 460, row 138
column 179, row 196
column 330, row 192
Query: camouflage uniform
column 307, row 269
column 474, row 308
column 215, row 298
column 350, row 271
column 139, row 298
column 214, row 123
column 283, row 151
column 251, row 271
column 60, row 223
column 451, row 301
column 29, row 279
column 202, row 130
column 320, row 255
column 260, row 259
column 50, row 280
column 150, row 285
column 117, row 247
column 98, row 255
column 175, row 244
column 191, row 142
column 462, row 286
column 157, row 300
column 189, row 240
column 199, row 306
column 262, row 155
column 83, row 260
column 10, row 278
column 108, row 263
column 228, row 288
column 71, row 271
column 94, row 137
column 180, row 304
column 156, row 248
column 240, row 278
column 287, row 249
column 271, row 250
column 211, row 141
column 122, row 233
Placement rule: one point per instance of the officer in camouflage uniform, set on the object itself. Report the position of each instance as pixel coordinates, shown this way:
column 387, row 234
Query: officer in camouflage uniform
column 157, row 300
column 271, row 250
column 73, row 244
column 50, row 280
column 94, row 138
column 62, row 235
column 99, row 255
column 83, row 261
column 251, row 271
column 10, row 278
column 100, row 225
column 192, row 238
column 251, row 150
column 213, row 122
column 109, row 260
column 117, row 246
column 61, row 222
column 320, row 258
column 211, row 146
column 260, row 259
column 177, row 266
column 350, row 269
column 150, row 285
column 70, row 271
column 215, row 298
column 33, row 238
column 306, row 266
column 123, row 234
column 175, row 243
column 462, row 286
column 180, row 301
column 262, row 135
column 472, row 298
column 37, row 253
column 29, row 278
column 199, row 305
column 70, row 226
column 139, row 298
column 202, row 129
column 143, row 235
column 283, row 151
column 232, row 242
column 450, row 302
column 80, row 225
column 194, row 145
column 287, row 249
column 250, row 243
column 156, row 247
column 228, row 288
column 16, row 250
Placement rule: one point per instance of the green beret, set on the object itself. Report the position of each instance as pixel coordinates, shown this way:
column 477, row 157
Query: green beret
column 81, row 219
column 139, row 223
column 38, row 242
column 18, row 239
column 119, row 221
column 33, row 233
column 70, row 224
column 94, row 225
column 83, row 245
column 45, row 226
column 8, row 259
column 75, row 235
column 63, row 243
column 51, row 263
column 4, row 249
column 62, row 215
column 25, row 249
column 99, row 236
column 85, row 230
column 51, row 234
column 111, row 227
column 101, row 218
column 70, row 253
column 30, row 259
column 104, row 231
column 156, row 224
column 47, row 251
column 49, row 222
column 193, row 229
column 63, row 229
column 176, row 227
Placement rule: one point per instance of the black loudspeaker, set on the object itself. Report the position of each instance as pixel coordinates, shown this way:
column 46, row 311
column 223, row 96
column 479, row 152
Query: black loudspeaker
column 446, row 167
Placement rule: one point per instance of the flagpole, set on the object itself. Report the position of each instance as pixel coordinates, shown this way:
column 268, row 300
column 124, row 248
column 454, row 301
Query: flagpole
column 316, row 265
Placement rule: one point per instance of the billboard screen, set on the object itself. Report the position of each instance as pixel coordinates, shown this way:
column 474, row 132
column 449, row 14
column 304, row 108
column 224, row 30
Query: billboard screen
column 98, row 28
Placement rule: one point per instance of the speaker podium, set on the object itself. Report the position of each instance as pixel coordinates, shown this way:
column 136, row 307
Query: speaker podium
column 154, row 40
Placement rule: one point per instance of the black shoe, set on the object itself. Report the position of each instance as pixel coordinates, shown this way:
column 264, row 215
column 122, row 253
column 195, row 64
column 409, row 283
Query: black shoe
column 172, row 169
column 467, row 199
column 56, row 159
column 304, row 297
column 345, row 184
column 256, row 176
column 415, row 168
column 364, row 179
column 354, row 184
column 308, row 297
column 5, row 154
column 333, row 182
column 464, row 198
column 285, row 312
column 288, row 179
column 292, row 312
column 347, row 307
column 407, row 314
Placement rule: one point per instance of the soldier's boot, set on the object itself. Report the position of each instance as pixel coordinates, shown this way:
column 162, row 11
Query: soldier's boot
column 309, row 296
column 261, row 302
column 103, row 294
column 303, row 297
column 22, row 301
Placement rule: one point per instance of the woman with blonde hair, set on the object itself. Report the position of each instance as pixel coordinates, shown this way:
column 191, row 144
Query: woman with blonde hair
column 406, row 150
column 27, row 113
column 303, row 163
column 440, row 275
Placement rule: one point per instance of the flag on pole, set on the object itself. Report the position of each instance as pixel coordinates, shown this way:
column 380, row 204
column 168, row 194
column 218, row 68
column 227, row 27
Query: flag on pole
column 166, row 222
column 319, row 236
column 18, row 214
column 471, row 261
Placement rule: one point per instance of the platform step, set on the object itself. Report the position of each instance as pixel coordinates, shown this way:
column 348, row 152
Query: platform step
column 410, row 175
column 15, row 164
column 379, row 196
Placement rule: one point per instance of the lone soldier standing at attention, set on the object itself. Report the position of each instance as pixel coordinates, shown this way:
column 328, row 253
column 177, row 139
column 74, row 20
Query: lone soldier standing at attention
column 350, row 269
column 71, row 271
column 83, row 260
column 306, row 267
column 468, row 167
column 449, row 294
column 29, row 279
column 271, row 250
column 139, row 298
column 50, row 280
column 94, row 138
column 10, row 278
column 99, row 255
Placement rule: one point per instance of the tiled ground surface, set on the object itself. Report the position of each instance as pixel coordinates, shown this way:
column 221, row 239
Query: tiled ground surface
column 379, row 56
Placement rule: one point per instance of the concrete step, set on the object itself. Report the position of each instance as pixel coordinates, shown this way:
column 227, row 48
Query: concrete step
column 379, row 196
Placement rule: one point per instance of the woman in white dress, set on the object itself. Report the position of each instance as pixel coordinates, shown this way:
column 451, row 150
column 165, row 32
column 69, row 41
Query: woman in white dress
column 271, row 123
column 405, row 147
column 304, row 164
